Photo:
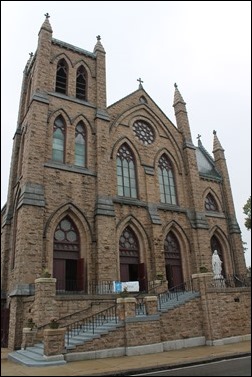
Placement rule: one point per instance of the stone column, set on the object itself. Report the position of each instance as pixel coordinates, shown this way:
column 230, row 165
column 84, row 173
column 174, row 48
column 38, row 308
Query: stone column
column 29, row 337
column 200, row 283
column 150, row 305
column 126, row 307
column 54, row 341
column 44, row 303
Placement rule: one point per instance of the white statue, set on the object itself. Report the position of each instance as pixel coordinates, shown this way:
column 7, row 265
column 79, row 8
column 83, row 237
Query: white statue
column 216, row 265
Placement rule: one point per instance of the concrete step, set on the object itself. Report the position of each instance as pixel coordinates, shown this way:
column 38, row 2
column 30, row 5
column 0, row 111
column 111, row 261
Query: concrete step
column 30, row 357
column 85, row 336
column 176, row 301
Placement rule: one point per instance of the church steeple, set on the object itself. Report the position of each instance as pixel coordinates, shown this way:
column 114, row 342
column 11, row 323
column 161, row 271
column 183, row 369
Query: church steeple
column 181, row 115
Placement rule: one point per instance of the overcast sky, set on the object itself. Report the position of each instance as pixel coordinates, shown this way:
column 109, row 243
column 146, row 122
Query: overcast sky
column 203, row 46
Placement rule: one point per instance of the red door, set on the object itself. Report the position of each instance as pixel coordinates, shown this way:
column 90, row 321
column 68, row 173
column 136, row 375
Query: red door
column 59, row 272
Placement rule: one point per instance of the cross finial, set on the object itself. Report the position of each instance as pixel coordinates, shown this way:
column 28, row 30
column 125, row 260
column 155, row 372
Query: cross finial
column 140, row 83
column 98, row 37
column 214, row 132
column 199, row 136
column 175, row 85
column 47, row 15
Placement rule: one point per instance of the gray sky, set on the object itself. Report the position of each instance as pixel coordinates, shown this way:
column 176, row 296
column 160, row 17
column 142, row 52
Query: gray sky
column 203, row 46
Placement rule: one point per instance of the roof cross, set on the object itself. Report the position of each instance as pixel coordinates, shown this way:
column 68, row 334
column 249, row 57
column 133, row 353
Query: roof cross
column 47, row 15
column 140, row 83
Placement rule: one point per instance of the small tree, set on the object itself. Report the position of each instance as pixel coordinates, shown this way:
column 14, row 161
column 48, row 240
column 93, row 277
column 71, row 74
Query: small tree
column 247, row 211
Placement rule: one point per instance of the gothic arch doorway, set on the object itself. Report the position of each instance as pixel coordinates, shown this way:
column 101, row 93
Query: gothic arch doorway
column 130, row 267
column 67, row 264
column 215, row 245
column 173, row 265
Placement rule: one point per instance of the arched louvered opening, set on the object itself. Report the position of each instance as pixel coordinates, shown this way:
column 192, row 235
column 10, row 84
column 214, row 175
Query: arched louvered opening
column 81, row 83
column 61, row 77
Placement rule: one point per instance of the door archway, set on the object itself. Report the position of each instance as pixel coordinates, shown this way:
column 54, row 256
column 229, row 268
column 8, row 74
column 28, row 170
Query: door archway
column 130, row 267
column 67, row 264
column 173, row 264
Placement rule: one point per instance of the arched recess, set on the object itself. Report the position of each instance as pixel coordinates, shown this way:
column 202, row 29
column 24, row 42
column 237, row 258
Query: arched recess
column 219, row 242
column 133, row 245
column 68, row 238
column 176, row 256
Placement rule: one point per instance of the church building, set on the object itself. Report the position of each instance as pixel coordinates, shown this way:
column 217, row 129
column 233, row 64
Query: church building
column 101, row 194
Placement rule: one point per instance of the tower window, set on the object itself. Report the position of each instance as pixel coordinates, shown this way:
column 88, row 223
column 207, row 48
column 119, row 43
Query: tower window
column 80, row 144
column 81, row 83
column 58, row 150
column 61, row 77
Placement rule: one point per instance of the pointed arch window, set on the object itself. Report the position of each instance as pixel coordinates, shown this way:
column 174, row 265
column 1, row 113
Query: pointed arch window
column 171, row 247
column 58, row 150
column 81, row 83
column 80, row 144
column 61, row 77
column 166, row 181
column 126, row 174
column 210, row 203
column 128, row 244
column 66, row 237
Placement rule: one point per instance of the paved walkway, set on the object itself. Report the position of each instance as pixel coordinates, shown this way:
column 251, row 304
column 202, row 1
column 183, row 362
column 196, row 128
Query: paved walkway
column 116, row 366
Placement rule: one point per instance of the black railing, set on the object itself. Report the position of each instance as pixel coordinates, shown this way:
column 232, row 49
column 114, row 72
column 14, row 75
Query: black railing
column 101, row 287
column 175, row 292
column 91, row 323
column 69, row 286
column 231, row 281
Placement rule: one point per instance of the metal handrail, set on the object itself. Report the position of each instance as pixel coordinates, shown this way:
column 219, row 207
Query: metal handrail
column 175, row 292
column 92, row 322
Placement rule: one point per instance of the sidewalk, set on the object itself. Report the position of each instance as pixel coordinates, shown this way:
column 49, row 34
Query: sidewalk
column 116, row 366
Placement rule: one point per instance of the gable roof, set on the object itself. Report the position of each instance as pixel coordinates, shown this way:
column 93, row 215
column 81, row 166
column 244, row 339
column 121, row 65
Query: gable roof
column 206, row 164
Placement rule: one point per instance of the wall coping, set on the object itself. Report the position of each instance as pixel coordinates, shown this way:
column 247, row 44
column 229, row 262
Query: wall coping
column 45, row 280
column 202, row 274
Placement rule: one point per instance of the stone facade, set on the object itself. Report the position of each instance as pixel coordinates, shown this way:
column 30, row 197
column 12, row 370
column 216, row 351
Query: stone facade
column 47, row 196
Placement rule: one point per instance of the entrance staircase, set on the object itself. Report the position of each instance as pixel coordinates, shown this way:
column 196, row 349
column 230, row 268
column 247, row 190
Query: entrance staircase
column 34, row 356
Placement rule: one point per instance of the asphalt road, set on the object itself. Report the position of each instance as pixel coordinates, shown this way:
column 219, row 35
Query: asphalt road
column 232, row 367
